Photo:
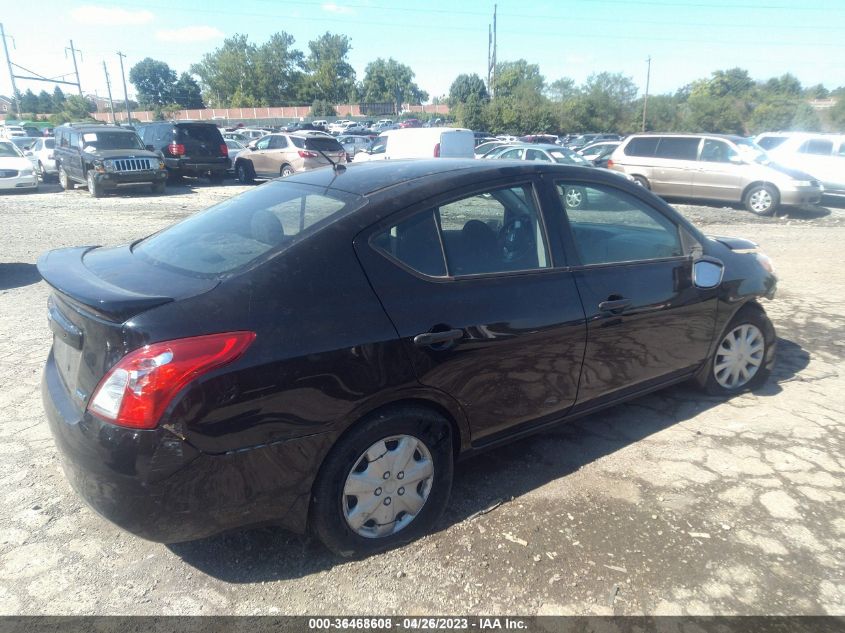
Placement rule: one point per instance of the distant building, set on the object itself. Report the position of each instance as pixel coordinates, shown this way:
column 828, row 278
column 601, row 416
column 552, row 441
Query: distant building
column 823, row 104
column 5, row 104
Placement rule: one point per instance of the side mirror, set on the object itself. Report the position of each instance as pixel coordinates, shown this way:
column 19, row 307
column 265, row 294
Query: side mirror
column 150, row 148
column 707, row 272
column 251, row 145
column 28, row 152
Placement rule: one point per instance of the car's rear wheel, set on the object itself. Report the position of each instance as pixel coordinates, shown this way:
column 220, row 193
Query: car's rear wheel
column 762, row 200
column 641, row 181
column 95, row 189
column 286, row 171
column 42, row 175
column 64, row 180
column 744, row 357
column 244, row 172
column 385, row 483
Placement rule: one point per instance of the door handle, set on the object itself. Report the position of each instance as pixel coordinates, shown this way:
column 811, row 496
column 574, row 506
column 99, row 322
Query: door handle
column 433, row 338
column 612, row 305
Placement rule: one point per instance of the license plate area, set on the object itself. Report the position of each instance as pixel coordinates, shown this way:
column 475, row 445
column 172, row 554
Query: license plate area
column 67, row 360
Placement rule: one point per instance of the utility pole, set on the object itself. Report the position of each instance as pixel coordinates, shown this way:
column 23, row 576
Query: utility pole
column 73, row 52
column 489, row 55
column 108, row 86
column 645, row 98
column 125, row 94
column 11, row 73
column 493, row 61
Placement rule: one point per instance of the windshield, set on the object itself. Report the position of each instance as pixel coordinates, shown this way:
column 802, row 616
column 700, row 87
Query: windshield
column 237, row 232
column 567, row 157
column 751, row 152
column 9, row 150
column 110, row 140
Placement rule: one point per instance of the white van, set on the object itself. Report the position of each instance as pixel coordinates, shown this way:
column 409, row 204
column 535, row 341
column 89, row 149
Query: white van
column 820, row 155
column 441, row 142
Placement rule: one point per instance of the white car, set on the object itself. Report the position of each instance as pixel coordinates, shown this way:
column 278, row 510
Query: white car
column 421, row 142
column 16, row 170
column 252, row 133
column 338, row 126
column 41, row 155
column 235, row 148
column 10, row 131
column 820, row 155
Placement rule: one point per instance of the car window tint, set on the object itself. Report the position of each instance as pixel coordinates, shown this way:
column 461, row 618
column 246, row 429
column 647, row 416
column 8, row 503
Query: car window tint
column 264, row 143
column 493, row 232
column 535, row 154
column 644, row 146
column 817, row 146
column 610, row 226
column 207, row 134
column 714, row 151
column 235, row 233
column 513, row 153
column 277, row 142
column 770, row 142
column 415, row 243
column 678, row 148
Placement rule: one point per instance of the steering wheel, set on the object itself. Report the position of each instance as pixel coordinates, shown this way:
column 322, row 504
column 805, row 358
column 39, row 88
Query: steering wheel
column 516, row 238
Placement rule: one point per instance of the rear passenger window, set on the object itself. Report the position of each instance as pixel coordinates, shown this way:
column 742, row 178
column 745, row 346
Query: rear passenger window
column 817, row 146
column 535, row 154
column 493, row 232
column 677, row 148
column 646, row 146
column 609, row 226
column 513, row 154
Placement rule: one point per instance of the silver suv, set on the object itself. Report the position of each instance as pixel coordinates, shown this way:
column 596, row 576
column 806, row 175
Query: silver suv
column 713, row 167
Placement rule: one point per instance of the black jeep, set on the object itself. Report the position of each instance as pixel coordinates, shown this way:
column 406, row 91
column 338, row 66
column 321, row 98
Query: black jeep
column 105, row 157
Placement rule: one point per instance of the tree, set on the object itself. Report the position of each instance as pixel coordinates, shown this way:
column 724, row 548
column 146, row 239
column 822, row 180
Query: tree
column 605, row 103
column 470, row 112
column 58, row 99
column 74, row 108
column 227, row 74
column 837, row 113
column 786, row 84
column 466, row 88
column 322, row 108
column 279, row 70
column 330, row 77
column 390, row 81
column 562, row 89
column 154, row 82
column 186, row 93
column 519, row 77
column 45, row 102
column 817, row 92
column 28, row 102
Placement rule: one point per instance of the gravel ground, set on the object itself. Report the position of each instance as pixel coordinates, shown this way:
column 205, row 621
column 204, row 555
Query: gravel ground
column 675, row 503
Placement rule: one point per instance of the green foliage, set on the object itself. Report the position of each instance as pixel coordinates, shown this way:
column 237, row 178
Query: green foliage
column 74, row 108
column 390, row 81
column 154, row 80
column 518, row 78
column 186, row 93
column 562, row 90
column 322, row 108
column 58, row 99
column 836, row 114
column 28, row 102
column 45, row 102
column 330, row 76
column 467, row 88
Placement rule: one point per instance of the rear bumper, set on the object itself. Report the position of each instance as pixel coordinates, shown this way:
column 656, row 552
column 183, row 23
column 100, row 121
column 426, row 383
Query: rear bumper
column 196, row 167
column 159, row 487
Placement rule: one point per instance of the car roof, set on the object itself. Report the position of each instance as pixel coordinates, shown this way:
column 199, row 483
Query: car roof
column 728, row 137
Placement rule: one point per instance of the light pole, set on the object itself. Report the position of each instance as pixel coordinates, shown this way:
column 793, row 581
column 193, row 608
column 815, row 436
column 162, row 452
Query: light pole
column 645, row 98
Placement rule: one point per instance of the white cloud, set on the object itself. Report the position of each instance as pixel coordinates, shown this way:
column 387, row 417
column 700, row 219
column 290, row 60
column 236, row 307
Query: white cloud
column 110, row 16
column 331, row 7
column 190, row 34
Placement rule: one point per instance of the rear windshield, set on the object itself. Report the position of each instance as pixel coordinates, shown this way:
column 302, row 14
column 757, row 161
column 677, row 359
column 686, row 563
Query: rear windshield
column 200, row 133
column 317, row 143
column 238, row 232
column 110, row 140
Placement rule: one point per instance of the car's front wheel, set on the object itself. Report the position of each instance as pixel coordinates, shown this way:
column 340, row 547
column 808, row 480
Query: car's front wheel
column 94, row 188
column 286, row 171
column 386, row 482
column 244, row 172
column 744, row 356
column 762, row 199
column 64, row 180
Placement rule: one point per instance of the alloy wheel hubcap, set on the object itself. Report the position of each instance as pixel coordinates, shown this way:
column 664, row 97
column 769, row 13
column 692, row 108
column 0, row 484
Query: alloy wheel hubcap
column 761, row 200
column 388, row 486
column 573, row 198
column 739, row 356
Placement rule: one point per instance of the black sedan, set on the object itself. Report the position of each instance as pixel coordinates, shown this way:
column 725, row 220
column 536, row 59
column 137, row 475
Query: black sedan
column 317, row 352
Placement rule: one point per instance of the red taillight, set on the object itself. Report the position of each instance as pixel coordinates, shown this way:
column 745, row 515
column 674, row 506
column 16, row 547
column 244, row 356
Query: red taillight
column 224, row 149
column 437, row 151
column 304, row 153
column 176, row 149
column 136, row 391
column 609, row 163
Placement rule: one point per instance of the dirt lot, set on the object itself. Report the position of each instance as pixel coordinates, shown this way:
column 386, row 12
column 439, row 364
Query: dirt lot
column 673, row 504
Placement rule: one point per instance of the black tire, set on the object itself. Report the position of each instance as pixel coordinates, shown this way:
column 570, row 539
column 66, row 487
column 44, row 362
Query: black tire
column 762, row 200
column 327, row 518
column 64, row 180
column 754, row 315
column 158, row 187
column 642, row 182
column 173, row 177
column 216, row 179
column 244, row 172
column 96, row 190
column 286, row 171
column 42, row 175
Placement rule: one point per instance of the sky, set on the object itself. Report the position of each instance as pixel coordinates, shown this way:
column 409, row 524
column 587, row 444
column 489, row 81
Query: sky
column 440, row 39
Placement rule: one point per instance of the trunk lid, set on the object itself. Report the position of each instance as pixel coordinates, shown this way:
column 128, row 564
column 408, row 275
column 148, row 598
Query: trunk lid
column 200, row 140
column 96, row 291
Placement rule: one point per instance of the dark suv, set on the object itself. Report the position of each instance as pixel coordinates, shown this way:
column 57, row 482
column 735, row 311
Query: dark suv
column 190, row 148
column 105, row 157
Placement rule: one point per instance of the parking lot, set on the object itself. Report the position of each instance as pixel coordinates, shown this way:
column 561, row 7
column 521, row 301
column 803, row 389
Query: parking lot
column 676, row 503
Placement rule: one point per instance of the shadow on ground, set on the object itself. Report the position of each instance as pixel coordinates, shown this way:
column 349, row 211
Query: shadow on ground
column 268, row 554
column 17, row 275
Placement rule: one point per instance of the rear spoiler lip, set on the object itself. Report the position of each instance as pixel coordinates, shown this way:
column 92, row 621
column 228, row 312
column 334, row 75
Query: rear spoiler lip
column 65, row 272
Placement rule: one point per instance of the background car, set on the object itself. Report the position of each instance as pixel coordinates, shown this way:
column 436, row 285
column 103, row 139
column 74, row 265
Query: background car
column 23, row 142
column 189, row 148
column 235, row 149
column 16, row 170
column 487, row 146
column 281, row 155
column 235, row 136
column 318, row 351
column 354, row 144
column 41, row 154
column 820, row 155
column 442, row 142
column 599, row 153
column 410, row 123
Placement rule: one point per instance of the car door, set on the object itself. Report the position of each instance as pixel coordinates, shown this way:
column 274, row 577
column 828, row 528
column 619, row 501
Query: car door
column 718, row 173
column 675, row 162
column 517, row 153
column 646, row 321
column 469, row 280
column 73, row 158
column 276, row 155
column 259, row 158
